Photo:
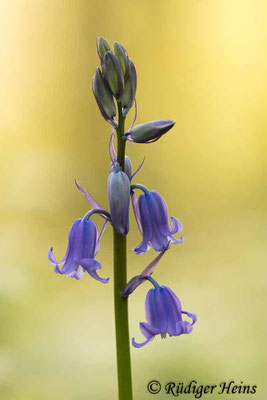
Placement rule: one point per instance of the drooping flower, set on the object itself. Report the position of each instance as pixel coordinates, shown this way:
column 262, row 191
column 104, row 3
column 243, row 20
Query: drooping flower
column 83, row 246
column 119, row 200
column 151, row 213
column 164, row 316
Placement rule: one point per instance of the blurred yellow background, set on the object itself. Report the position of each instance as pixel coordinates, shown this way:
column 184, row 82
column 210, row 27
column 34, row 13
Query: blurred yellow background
column 202, row 63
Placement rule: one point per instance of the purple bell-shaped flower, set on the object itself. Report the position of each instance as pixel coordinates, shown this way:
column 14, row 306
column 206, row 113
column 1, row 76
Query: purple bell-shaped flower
column 164, row 315
column 151, row 213
column 83, row 246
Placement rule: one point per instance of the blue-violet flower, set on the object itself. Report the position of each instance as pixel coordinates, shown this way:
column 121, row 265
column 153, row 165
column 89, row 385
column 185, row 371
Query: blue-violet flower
column 151, row 213
column 164, row 315
column 83, row 246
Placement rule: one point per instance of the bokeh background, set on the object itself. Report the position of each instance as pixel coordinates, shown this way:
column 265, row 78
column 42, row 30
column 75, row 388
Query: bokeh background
column 202, row 63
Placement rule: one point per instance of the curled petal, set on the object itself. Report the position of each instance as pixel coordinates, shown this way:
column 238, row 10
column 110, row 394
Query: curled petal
column 192, row 316
column 91, row 265
column 52, row 258
column 174, row 240
column 182, row 327
column 94, row 275
column 57, row 270
column 176, row 226
column 148, row 331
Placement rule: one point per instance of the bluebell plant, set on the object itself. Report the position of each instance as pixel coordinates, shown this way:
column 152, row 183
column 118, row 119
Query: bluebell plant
column 114, row 87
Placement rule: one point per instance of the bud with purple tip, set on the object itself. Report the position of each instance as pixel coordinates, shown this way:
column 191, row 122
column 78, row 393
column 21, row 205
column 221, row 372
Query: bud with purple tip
column 104, row 98
column 122, row 56
column 102, row 47
column 119, row 199
column 129, row 92
column 150, row 131
column 113, row 74
column 127, row 167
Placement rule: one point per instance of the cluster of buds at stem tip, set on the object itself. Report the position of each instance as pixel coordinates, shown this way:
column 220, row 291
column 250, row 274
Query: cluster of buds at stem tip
column 116, row 78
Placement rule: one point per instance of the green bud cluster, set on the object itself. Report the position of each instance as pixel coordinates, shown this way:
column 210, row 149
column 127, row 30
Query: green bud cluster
column 116, row 79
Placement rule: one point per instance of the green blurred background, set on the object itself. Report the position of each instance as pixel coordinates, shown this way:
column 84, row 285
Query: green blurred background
column 202, row 63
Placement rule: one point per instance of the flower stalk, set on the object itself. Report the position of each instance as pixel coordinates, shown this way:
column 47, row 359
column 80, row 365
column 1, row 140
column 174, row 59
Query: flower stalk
column 120, row 281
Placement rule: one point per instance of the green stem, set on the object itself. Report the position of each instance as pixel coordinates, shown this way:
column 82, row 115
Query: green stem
column 120, row 281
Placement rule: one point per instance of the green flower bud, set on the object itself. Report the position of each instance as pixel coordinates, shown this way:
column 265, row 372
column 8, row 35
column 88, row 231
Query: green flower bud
column 129, row 92
column 104, row 98
column 102, row 47
column 113, row 74
column 122, row 56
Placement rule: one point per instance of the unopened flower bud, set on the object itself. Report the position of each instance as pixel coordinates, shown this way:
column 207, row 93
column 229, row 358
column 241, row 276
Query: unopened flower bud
column 104, row 98
column 129, row 92
column 119, row 200
column 127, row 167
column 102, row 48
column 113, row 74
column 122, row 56
column 149, row 132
